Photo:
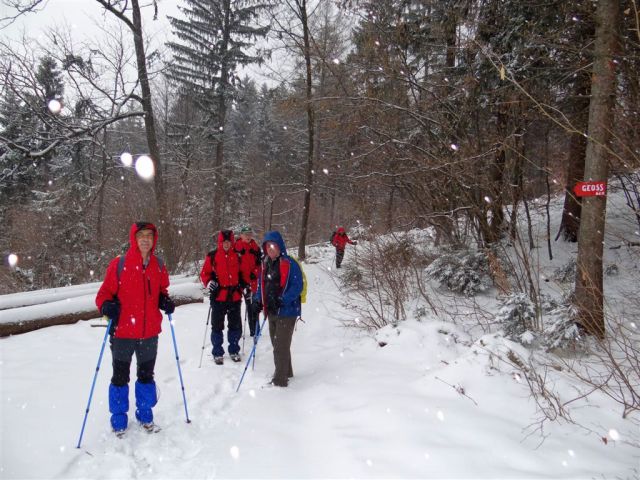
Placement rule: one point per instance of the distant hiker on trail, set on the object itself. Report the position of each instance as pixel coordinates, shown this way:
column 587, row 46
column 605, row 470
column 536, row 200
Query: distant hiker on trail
column 279, row 288
column 221, row 275
column 339, row 239
column 134, row 290
column 250, row 259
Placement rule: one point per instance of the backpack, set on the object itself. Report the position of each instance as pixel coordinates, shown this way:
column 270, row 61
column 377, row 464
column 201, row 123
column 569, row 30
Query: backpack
column 303, row 293
column 121, row 265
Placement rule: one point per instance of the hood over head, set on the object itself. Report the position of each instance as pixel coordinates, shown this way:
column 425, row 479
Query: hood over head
column 341, row 230
column 274, row 236
column 225, row 235
column 135, row 228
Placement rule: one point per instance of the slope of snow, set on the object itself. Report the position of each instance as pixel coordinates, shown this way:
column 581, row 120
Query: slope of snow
column 353, row 410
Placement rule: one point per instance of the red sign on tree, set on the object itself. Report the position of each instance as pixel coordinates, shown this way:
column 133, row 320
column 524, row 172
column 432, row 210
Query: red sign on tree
column 590, row 189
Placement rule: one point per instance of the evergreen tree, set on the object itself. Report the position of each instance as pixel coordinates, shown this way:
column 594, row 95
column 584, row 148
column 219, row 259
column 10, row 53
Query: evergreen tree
column 214, row 41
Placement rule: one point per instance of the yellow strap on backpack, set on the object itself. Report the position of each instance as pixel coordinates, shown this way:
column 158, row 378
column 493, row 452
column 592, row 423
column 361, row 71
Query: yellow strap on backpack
column 303, row 294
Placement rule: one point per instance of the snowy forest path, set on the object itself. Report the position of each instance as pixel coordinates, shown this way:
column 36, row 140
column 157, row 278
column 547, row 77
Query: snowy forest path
column 355, row 408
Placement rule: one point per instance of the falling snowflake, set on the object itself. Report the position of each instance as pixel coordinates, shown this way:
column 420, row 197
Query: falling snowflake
column 54, row 106
column 12, row 259
column 235, row 452
column 127, row 159
column 145, row 168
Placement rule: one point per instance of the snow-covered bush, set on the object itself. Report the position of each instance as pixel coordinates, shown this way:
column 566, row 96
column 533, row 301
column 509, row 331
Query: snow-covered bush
column 465, row 272
column 565, row 273
column 611, row 270
column 560, row 330
column 518, row 316
column 380, row 277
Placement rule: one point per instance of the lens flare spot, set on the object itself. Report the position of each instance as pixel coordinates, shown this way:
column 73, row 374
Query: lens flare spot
column 127, row 159
column 12, row 259
column 234, row 452
column 54, row 106
column 145, row 168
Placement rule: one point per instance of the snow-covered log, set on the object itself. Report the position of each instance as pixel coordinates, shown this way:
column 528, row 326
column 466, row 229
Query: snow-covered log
column 64, row 306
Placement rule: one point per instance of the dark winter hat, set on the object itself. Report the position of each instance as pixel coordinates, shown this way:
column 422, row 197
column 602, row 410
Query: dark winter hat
column 144, row 226
column 227, row 235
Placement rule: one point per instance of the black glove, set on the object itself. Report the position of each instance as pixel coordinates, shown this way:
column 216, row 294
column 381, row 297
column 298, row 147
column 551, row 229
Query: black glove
column 246, row 293
column 274, row 304
column 355, row 242
column 214, row 288
column 252, row 276
column 111, row 309
column 165, row 303
column 256, row 307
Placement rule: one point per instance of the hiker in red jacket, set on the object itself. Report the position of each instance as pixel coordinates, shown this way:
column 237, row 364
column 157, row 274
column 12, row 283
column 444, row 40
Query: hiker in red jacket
column 134, row 290
column 221, row 274
column 339, row 239
column 250, row 261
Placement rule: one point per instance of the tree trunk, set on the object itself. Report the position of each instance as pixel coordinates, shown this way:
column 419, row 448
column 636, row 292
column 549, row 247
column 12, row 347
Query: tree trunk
column 302, row 5
column 570, row 224
column 588, row 293
column 152, row 139
column 494, row 227
column 218, row 184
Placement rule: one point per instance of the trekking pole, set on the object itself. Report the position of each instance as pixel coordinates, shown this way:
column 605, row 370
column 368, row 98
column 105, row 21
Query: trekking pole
column 86, row 413
column 253, row 352
column 175, row 347
column 244, row 330
column 259, row 332
column 204, row 338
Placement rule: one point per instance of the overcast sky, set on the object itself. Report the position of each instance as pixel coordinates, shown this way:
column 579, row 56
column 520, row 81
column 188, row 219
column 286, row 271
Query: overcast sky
column 85, row 17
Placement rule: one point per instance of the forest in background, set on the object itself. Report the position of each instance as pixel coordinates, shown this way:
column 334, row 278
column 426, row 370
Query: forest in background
column 381, row 116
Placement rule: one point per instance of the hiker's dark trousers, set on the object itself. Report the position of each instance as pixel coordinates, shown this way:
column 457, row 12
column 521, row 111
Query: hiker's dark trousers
column 281, row 333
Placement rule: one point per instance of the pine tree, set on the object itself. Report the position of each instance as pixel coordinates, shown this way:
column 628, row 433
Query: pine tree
column 214, row 41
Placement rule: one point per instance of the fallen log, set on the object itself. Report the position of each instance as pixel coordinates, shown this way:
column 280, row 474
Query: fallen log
column 14, row 321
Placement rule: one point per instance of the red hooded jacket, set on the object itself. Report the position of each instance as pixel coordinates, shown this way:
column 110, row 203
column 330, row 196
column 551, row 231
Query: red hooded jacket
column 340, row 239
column 249, row 261
column 138, row 289
column 226, row 267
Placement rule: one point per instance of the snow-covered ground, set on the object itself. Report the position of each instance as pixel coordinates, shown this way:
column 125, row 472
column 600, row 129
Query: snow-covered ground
column 432, row 403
